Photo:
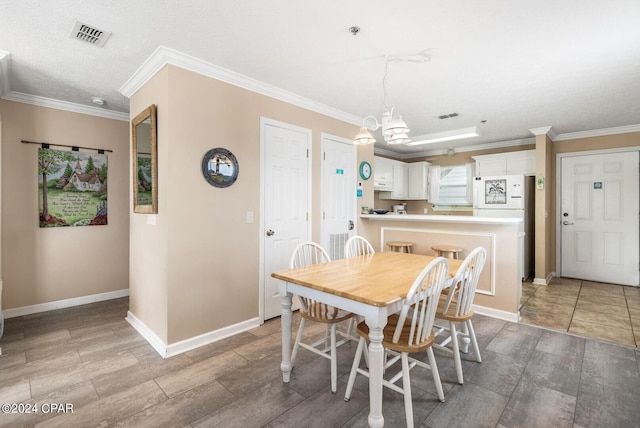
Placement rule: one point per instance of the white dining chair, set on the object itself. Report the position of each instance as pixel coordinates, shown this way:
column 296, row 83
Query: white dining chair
column 455, row 308
column 357, row 246
column 407, row 332
column 308, row 253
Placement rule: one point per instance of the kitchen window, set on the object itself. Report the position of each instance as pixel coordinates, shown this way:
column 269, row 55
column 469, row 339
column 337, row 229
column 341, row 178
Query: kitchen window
column 452, row 187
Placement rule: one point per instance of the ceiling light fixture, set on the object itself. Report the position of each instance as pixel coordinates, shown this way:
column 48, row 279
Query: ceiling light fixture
column 394, row 129
column 456, row 134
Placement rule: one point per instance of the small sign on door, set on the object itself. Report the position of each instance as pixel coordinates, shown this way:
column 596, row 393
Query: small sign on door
column 597, row 184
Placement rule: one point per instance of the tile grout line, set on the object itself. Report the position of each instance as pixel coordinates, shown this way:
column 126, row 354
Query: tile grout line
column 575, row 306
column 626, row 301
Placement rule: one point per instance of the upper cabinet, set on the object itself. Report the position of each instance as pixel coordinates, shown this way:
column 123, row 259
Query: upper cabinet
column 382, row 173
column 418, row 180
column 521, row 162
column 398, row 180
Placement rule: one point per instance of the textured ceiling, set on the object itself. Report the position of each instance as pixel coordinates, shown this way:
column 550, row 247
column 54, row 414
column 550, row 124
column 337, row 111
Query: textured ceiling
column 572, row 64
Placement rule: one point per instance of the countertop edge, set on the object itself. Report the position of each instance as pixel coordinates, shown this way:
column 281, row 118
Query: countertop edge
column 443, row 218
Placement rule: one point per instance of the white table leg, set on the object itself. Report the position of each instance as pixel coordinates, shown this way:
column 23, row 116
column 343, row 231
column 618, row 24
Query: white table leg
column 285, row 326
column 376, row 362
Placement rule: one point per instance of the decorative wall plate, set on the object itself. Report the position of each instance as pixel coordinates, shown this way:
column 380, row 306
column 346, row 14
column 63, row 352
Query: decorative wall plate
column 220, row 167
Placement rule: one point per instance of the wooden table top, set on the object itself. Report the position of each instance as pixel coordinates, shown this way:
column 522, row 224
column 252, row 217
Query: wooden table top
column 378, row 279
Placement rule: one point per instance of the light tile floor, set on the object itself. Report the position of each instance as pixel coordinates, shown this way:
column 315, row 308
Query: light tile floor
column 590, row 309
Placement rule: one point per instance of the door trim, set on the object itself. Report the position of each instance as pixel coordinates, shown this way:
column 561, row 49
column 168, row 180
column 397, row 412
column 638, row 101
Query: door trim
column 558, row 216
column 265, row 121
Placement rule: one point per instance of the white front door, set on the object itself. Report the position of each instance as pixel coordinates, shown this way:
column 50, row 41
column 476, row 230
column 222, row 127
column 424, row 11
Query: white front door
column 286, row 202
column 599, row 217
column 338, row 194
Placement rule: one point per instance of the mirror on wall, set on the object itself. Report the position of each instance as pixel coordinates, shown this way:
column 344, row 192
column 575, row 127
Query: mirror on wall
column 145, row 162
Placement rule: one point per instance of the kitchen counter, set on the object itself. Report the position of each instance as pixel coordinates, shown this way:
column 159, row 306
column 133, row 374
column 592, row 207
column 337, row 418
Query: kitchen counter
column 499, row 287
column 444, row 218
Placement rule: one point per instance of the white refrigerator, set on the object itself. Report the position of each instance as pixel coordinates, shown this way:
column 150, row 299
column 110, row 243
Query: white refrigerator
column 509, row 196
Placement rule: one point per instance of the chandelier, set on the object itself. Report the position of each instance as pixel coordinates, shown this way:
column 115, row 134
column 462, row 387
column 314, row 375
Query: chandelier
column 394, row 129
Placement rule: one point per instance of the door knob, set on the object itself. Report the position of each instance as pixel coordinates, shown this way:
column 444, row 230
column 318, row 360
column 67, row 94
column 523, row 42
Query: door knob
column 566, row 223
column 351, row 225
column 270, row 232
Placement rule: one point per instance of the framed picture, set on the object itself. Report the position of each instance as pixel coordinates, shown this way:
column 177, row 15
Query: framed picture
column 495, row 191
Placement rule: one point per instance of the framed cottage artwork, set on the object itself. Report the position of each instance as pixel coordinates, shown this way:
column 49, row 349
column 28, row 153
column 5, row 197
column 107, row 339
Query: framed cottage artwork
column 72, row 188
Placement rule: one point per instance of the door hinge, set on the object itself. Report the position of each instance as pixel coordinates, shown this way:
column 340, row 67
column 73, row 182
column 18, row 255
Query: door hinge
column 307, row 215
column 307, row 152
column 324, row 156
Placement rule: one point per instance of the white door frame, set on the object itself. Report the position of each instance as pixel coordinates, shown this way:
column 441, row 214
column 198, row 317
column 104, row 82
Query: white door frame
column 323, row 138
column 263, row 122
column 558, row 214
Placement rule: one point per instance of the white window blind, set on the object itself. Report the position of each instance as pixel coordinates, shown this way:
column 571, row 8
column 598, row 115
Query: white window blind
column 453, row 185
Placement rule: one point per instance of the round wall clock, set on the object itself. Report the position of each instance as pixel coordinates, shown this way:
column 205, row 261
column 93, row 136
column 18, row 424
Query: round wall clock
column 220, row 167
column 365, row 170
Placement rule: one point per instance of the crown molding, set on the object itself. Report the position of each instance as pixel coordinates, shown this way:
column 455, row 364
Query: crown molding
column 5, row 84
column 165, row 56
column 65, row 105
column 544, row 130
column 598, row 132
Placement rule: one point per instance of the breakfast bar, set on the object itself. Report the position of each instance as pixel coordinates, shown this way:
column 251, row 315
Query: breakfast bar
column 499, row 288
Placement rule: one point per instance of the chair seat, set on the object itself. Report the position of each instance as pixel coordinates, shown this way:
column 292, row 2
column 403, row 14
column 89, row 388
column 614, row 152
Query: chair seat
column 403, row 342
column 323, row 313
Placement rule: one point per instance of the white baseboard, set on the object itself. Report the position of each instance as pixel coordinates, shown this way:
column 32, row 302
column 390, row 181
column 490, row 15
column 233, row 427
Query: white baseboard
column 541, row 281
column 166, row 351
column 148, row 334
column 544, row 281
column 496, row 313
column 66, row 303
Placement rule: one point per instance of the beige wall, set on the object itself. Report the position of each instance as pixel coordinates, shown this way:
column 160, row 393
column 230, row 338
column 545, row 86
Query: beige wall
column 50, row 264
column 197, row 270
column 149, row 244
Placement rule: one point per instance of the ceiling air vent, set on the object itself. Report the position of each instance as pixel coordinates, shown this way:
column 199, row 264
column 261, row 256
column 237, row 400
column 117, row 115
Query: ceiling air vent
column 448, row 116
column 87, row 33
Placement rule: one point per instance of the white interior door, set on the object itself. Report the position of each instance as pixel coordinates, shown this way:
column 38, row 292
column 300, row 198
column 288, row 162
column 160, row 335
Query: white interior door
column 338, row 194
column 599, row 217
column 286, row 202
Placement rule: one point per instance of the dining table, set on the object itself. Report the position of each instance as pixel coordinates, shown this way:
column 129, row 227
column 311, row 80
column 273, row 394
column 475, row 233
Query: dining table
column 373, row 286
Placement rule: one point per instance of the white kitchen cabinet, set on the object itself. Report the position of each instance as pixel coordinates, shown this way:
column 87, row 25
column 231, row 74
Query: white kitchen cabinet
column 520, row 162
column 382, row 173
column 400, row 181
column 397, row 180
column 418, row 175
column 397, row 189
